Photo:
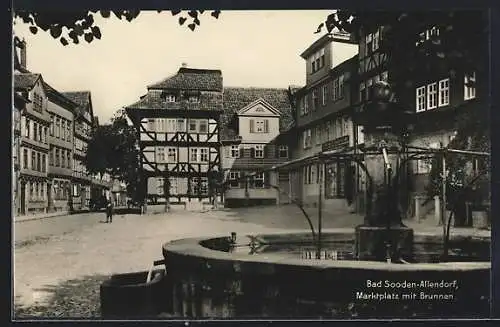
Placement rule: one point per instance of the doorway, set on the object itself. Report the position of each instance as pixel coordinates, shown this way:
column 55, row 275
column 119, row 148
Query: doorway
column 23, row 199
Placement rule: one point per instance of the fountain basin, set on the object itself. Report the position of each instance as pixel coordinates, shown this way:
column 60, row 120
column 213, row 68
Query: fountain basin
column 207, row 280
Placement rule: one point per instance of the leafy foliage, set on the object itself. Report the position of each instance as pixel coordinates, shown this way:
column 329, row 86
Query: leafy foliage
column 113, row 150
column 80, row 25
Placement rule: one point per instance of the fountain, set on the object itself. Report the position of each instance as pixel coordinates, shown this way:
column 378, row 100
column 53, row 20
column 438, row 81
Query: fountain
column 381, row 269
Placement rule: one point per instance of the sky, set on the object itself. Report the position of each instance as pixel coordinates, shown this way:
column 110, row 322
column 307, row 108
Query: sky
column 252, row 48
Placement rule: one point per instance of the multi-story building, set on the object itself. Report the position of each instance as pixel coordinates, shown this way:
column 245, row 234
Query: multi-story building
column 81, row 180
column 61, row 111
column 178, row 126
column 34, row 147
column 436, row 97
column 18, row 108
column 323, row 121
column 251, row 125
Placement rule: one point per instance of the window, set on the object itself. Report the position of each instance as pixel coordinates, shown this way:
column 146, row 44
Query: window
column 315, row 99
column 376, row 38
column 160, row 185
column 318, row 135
column 258, row 180
column 171, row 126
column 431, row 96
column 324, row 94
column 40, row 133
column 235, row 151
column 340, row 92
column 25, row 158
column 444, row 92
column 38, row 161
column 27, row 131
column 283, row 151
column 259, row 151
column 421, row 99
column 259, row 126
column 318, row 60
column 204, row 155
column 307, row 138
column 470, row 86
column 52, row 122
column 181, row 125
column 63, row 158
column 172, row 154
column 306, row 104
column 170, row 98
column 58, row 127
column 160, row 154
column 233, row 178
column 37, row 102
column 192, row 125
column 68, row 160
column 193, row 155
column 58, row 160
column 151, row 124
column 203, row 126
column 63, row 129
column 45, row 129
column 44, row 163
column 33, row 160
column 193, row 99
column 68, row 131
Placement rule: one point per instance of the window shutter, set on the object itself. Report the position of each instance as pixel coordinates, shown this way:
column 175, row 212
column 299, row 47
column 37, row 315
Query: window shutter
column 228, row 152
column 267, row 153
column 242, row 152
column 252, row 153
column 252, row 125
column 266, row 126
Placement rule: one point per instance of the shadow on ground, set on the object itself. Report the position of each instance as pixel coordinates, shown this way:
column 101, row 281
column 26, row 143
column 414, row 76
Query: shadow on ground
column 75, row 298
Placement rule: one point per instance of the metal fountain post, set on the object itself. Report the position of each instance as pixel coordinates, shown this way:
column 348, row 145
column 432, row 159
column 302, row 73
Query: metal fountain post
column 320, row 209
column 388, row 169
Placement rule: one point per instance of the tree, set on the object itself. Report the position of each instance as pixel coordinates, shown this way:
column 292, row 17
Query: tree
column 113, row 150
column 80, row 25
column 460, row 47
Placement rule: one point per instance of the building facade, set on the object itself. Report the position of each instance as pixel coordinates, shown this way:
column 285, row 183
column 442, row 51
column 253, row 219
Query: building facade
column 83, row 124
column 252, row 122
column 61, row 138
column 323, row 123
column 178, row 127
column 34, row 145
column 18, row 109
column 436, row 97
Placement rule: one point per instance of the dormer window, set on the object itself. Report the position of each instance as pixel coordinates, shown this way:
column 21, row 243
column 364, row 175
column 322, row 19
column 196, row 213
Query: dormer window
column 170, row 98
column 193, row 99
column 318, row 60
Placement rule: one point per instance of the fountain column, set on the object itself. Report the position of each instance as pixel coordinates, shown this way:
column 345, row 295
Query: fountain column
column 382, row 236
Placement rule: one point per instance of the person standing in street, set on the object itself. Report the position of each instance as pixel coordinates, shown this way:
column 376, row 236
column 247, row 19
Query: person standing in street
column 109, row 211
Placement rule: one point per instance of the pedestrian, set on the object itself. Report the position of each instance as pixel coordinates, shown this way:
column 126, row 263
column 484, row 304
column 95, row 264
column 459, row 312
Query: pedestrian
column 109, row 211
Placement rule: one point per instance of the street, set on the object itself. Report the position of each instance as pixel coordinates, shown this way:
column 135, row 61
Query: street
column 60, row 262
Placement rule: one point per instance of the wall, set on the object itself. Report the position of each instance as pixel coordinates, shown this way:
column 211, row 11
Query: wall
column 247, row 137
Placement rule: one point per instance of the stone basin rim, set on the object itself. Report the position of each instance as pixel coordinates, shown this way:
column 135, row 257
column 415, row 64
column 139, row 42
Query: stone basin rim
column 192, row 247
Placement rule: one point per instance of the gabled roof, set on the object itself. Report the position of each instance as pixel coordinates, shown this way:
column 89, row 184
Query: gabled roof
column 82, row 99
column 25, row 81
column 54, row 94
column 192, row 79
column 236, row 98
column 257, row 102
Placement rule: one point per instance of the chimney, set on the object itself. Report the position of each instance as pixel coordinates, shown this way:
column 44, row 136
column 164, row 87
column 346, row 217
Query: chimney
column 184, row 65
column 23, row 54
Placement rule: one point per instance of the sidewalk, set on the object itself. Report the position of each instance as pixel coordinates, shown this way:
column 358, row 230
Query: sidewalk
column 18, row 219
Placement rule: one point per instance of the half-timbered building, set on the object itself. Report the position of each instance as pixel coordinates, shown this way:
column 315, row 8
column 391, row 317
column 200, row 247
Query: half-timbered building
column 178, row 127
column 251, row 125
column 82, row 127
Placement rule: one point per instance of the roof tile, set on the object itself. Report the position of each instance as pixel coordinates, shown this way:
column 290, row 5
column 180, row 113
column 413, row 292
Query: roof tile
column 25, row 81
column 192, row 79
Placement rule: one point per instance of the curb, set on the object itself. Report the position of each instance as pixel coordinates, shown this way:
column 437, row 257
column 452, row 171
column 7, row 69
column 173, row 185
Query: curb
column 49, row 215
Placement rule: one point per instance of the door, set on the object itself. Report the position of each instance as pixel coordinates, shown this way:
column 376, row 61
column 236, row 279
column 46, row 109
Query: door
column 49, row 196
column 23, row 198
